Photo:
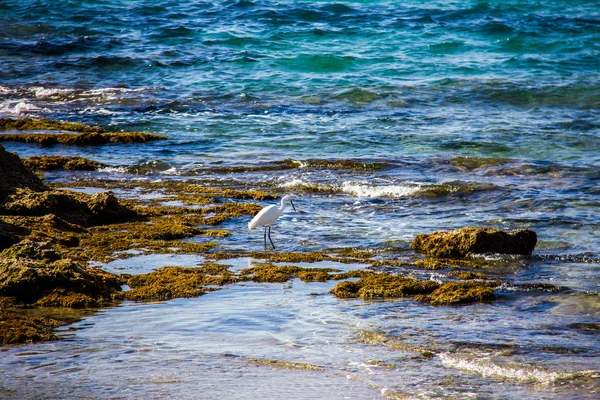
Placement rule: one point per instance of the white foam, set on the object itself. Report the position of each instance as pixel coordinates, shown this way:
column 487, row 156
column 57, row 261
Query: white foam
column 42, row 92
column 299, row 184
column 521, row 373
column 7, row 90
column 18, row 107
column 119, row 170
column 365, row 190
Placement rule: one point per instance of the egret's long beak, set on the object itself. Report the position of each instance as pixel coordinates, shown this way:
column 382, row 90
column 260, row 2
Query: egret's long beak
column 292, row 203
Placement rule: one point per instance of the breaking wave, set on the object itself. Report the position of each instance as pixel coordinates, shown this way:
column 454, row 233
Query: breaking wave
column 400, row 190
column 514, row 372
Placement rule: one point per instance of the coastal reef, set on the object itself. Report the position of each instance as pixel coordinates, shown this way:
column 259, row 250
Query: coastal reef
column 67, row 133
column 462, row 242
column 49, row 234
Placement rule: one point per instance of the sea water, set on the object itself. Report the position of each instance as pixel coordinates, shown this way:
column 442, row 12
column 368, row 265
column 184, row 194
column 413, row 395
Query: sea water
column 478, row 113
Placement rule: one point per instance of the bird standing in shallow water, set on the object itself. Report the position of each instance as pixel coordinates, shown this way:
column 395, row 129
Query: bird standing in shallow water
column 267, row 216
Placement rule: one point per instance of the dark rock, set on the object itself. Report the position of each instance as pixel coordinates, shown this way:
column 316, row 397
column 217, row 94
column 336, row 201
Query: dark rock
column 14, row 175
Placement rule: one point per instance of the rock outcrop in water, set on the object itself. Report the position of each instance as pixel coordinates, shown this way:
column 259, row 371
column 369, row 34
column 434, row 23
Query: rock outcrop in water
column 51, row 163
column 464, row 241
column 85, row 135
column 23, row 193
column 33, row 271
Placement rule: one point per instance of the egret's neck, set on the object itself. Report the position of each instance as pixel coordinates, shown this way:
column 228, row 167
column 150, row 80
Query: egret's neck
column 282, row 206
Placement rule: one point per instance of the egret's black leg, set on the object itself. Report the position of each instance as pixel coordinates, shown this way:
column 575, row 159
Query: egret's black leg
column 266, row 238
column 270, row 239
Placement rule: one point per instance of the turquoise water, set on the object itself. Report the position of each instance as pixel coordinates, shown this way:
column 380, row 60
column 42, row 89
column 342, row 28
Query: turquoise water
column 480, row 113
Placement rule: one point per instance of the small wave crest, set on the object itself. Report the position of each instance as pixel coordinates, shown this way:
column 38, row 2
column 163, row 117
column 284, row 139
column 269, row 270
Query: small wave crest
column 394, row 191
column 19, row 108
column 20, row 101
column 397, row 190
column 515, row 372
column 571, row 258
column 151, row 167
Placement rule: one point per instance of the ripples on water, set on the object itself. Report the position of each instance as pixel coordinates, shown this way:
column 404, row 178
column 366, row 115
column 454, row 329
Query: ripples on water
column 477, row 113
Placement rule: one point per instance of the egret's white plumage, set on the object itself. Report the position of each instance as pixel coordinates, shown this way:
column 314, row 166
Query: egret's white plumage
column 268, row 215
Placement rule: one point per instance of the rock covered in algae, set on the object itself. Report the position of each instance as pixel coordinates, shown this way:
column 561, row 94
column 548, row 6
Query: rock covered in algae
column 28, row 281
column 376, row 285
column 461, row 293
column 50, row 163
column 44, row 124
column 81, row 139
column 23, row 329
column 76, row 208
column 23, row 193
column 464, row 241
column 86, row 135
column 176, row 282
column 272, row 273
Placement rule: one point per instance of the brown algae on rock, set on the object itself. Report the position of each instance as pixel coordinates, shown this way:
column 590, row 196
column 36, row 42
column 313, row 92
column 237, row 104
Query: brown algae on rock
column 86, row 135
column 271, row 273
column 15, row 328
column 51, row 163
column 466, row 275
column 45, row 124
column 464, row 241
column 176, row 282
column 286, row 364
column 372, row 285
column 461, row 293
column 381, row 339
column 377, row 285
column 28, row 281
column 81, row 139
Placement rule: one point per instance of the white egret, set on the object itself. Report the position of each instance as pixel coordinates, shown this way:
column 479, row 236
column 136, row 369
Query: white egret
column 267, row 216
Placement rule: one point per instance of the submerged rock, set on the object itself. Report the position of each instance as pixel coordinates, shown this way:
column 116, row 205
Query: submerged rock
column 22, row 329
column 464, row 241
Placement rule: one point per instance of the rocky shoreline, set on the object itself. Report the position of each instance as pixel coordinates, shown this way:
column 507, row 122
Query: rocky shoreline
column 49, row 235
